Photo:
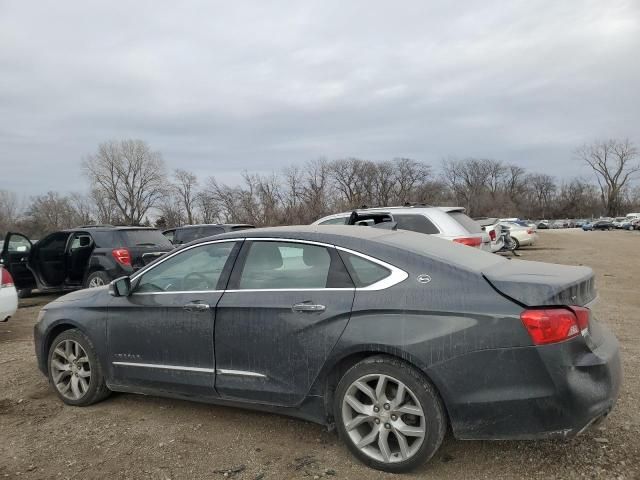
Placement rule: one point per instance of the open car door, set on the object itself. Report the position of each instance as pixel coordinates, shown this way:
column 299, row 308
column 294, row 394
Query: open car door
column 15, row 258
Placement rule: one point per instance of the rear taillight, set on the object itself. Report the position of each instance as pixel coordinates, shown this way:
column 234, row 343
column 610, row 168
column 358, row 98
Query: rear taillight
column 469, row 241
column 530, row 232
column 6, row 280
column 122, row 256
column 492, row 235
column 551, row 325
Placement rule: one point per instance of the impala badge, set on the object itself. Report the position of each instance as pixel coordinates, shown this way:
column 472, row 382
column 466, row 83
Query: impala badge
column 424, row 278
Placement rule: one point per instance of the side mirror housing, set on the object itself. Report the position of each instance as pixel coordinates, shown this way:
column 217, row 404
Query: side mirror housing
column 120, row 287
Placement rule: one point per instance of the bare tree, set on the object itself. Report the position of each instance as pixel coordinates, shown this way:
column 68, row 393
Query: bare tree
column 185, row 186
column 9, row 210
column 543, row 188
column 129, row 174
column 614, row 164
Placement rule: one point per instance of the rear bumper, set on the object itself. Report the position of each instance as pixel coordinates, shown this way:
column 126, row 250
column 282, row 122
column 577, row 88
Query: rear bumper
column 531, row 392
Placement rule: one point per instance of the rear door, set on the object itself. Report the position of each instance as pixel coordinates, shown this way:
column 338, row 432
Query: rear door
column 15, row 256
column 286, row 306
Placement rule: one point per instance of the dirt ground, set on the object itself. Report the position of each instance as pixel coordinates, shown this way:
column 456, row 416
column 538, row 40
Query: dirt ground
column 138, row 437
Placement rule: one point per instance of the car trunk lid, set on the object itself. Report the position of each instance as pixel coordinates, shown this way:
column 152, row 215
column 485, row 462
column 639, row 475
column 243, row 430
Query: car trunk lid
column 535, row 284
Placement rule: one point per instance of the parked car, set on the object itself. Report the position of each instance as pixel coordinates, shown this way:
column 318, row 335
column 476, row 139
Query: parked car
column 188, row 233
column 8, row 295
column 543, row 225
column 619, row 221
column 598, row 225
column 492, row 227
column 450, row 223
column 88, row 256
column 523, row 236
column 392, row 336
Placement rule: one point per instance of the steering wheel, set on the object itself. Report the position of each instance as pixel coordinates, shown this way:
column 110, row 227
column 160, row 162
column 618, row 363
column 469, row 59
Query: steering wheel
column 198, row 278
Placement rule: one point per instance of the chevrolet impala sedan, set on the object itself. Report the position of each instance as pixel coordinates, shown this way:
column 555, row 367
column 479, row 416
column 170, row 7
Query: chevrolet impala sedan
column 391, row 337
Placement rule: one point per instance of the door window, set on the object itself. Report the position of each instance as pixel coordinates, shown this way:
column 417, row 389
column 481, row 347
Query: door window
column 285, row 266
column 195, row 269
column 335, row 221
column 18, row 243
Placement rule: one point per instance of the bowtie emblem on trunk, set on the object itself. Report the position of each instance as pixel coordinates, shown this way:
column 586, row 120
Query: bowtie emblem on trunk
column 423, row 278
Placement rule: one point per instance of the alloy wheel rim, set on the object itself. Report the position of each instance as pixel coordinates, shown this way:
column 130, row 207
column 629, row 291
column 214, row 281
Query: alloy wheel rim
column 70, row 369
column 383, row 418
column 96, row 282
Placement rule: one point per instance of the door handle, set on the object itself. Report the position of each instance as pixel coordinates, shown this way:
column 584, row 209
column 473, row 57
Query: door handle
column 196, row 307
column 308, row 307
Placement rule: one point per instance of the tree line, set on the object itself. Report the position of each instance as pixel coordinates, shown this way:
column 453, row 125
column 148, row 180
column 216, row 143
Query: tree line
column 129, row 184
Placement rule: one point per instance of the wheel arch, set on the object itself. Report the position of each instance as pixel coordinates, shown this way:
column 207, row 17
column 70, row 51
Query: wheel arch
column 333, row 372
column 52, row 332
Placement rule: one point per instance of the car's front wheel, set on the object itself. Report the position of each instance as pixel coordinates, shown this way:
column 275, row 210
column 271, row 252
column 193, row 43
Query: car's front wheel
column 389, row 414
column 74, row 370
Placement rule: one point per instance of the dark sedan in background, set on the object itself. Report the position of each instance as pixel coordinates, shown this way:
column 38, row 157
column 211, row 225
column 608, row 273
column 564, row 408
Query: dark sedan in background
column 392, row 336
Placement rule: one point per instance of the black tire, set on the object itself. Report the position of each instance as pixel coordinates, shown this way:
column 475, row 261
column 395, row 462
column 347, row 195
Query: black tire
column 424, row 391
column 97, row 389
column 515, row 240
column 97, row 279
column 24, row 292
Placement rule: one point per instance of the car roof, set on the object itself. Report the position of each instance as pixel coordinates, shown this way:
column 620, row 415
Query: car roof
column 105, row 228
column 370, row 240
column 215, row 225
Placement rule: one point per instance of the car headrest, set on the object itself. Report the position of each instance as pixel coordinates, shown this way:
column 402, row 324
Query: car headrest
column 85, row 241
column 265, row 255
column 315, row 256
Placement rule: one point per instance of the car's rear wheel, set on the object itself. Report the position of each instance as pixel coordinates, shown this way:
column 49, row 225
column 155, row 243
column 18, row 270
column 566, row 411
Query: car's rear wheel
column 389, row 414
column 74, row 370
column 517, row 242
column 97, row 279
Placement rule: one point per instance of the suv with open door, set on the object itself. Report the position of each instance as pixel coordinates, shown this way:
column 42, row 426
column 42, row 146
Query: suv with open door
column 89, row 256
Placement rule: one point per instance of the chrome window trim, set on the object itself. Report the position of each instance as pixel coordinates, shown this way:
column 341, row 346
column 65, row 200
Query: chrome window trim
column 396, row 276
column 165, row 367
column 239, row 373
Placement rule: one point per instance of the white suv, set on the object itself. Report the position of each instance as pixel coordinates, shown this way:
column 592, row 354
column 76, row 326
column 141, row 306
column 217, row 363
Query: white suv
column 450, row 223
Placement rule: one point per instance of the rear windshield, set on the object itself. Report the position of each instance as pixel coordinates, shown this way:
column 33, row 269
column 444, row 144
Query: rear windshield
column 187, row 234
column 142, row 238
column 415, row 223
column 470, row 225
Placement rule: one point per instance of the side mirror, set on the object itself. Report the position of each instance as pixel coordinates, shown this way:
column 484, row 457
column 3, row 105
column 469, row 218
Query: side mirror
column 120, row 287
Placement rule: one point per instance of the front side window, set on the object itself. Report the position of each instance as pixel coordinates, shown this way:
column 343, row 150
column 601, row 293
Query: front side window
column 18, row 243
column 285, row 265
column 198, row 268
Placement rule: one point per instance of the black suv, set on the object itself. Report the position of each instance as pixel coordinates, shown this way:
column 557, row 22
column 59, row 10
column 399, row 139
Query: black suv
column 88, row 256
column 188, row 233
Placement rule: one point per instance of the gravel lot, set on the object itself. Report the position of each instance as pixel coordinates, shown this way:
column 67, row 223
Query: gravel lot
column 139, row 437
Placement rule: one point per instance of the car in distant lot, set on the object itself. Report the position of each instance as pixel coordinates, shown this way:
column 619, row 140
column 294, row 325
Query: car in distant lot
column 543, row 225
column 450, row 223
column 492, row 227
column 188, row 233
column 523, row 236
column 87, row 256
column 598, row 225
column 393, row 337
column 8, row 295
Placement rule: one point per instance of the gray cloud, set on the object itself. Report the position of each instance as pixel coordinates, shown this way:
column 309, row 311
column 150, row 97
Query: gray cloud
column 220, row 87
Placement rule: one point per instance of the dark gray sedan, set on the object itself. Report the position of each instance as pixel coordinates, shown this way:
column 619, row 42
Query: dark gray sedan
column 392, row 337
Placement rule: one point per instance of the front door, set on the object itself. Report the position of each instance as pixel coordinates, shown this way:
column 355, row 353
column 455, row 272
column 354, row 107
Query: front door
column 286, row 306
column 15, row 257
column 161, row 336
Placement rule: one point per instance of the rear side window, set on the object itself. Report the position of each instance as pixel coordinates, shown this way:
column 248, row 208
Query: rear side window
column 143, row 238
column 470, row 225
column 334, row 221
column 105, row 239
column 364, row 272
column 416, row 223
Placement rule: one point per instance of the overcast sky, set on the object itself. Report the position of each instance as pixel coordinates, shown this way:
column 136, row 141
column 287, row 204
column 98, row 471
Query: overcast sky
column 220, row 87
